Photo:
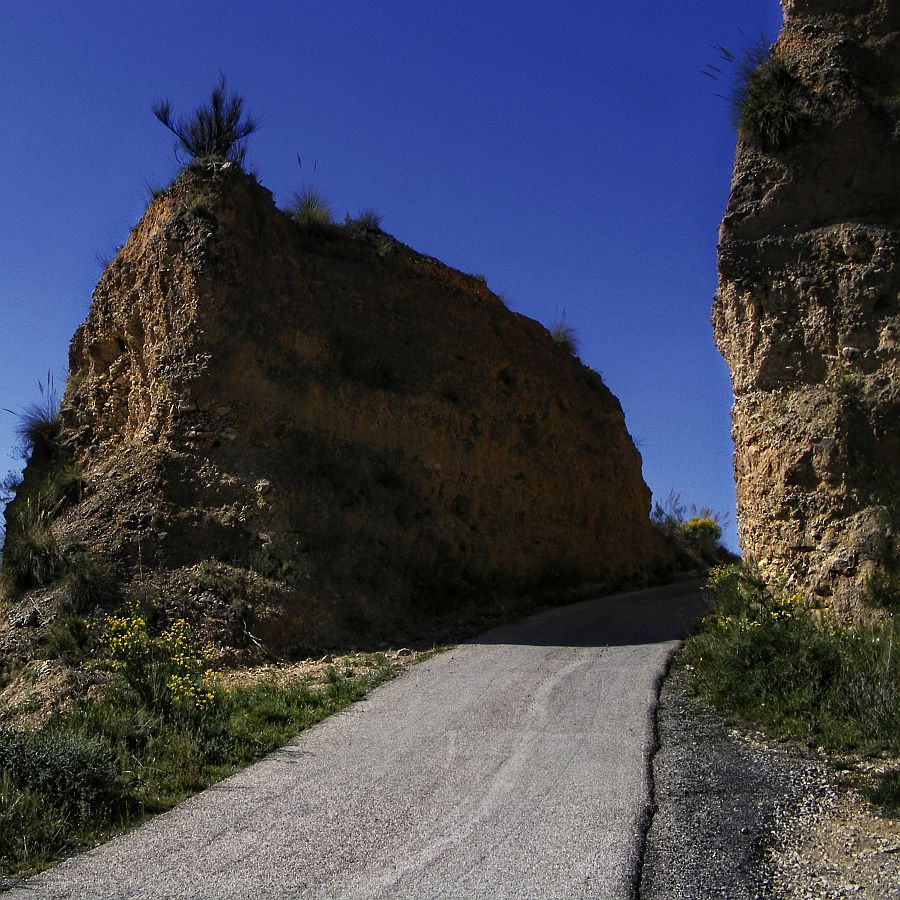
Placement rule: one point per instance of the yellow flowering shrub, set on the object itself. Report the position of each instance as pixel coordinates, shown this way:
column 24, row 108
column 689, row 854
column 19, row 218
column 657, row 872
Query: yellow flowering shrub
column 170, row 671
column 702, row 529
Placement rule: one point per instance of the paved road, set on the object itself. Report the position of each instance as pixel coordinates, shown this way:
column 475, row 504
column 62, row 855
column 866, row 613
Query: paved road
column 512, row 766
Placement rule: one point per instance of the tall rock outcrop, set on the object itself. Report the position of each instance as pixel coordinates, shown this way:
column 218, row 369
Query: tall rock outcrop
column 807, row 313
column 318, row 433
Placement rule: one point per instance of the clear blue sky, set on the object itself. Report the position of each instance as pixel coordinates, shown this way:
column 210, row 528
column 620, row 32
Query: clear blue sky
column 571, row 152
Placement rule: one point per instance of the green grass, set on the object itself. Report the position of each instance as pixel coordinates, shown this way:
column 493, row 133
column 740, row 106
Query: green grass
column 39, row 424
column 367, row 221
column 772, row 663
column 311, row 212
column 109, row 763
column 564, row 336
column 771, row 105
column 32, row 556
column 768, row 103
column 63, row 486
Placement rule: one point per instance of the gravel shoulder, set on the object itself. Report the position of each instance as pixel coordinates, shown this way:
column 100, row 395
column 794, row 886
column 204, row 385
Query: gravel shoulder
column 740, row 817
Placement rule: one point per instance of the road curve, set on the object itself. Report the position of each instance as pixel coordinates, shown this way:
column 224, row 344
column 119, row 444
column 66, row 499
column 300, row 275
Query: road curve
column 515, row 765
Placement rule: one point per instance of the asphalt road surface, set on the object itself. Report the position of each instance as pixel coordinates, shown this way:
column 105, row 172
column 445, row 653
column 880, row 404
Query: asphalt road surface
column 515, row 765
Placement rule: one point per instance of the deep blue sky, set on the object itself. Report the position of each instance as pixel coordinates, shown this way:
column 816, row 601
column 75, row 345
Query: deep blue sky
column 571, row 152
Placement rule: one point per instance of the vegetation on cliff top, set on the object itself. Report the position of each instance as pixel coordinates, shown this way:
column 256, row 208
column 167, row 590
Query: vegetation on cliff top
column 218, row 128
column 767, row 101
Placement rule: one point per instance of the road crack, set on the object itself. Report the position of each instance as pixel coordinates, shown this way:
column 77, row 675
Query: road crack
column 650, row 806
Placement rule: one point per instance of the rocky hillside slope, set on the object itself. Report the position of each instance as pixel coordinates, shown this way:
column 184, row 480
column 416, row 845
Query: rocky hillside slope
column 807, row 312
column 311, row 434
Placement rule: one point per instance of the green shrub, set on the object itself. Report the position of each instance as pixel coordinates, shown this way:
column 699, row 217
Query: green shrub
column 57, row 788
column 66, row 768
column 217, row 129
column 667, row 516
column 695, row 541
column 199, row 208
column 89, row 581
column 384, row 243
column 701, row 534
column 772, row 105
column 67, row 639
column 773, row 663
column 310, row 211
column 270, row 565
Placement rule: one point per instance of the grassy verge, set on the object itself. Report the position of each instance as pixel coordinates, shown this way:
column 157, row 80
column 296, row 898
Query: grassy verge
column 772, row 663
column 109, row 763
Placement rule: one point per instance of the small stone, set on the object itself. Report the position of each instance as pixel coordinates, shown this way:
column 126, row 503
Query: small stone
column 30, row 621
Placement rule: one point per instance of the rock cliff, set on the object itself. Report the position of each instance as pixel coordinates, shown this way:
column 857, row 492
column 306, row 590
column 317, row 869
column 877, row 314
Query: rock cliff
column 807, row 312
column 312, row 434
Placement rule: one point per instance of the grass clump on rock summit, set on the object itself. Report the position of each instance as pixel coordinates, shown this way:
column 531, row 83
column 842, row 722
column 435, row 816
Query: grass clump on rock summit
column 564, row 336
column 311, row 212
column 217, row 129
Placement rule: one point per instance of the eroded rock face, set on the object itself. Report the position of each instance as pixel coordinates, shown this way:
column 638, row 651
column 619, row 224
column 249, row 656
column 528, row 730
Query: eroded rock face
column 353, row 431
column 807, row 312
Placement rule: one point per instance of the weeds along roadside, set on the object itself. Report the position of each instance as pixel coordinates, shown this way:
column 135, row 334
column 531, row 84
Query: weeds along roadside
column 164, row 727
column 773, row 663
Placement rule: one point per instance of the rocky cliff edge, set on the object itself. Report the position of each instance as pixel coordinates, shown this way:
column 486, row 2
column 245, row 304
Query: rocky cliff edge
column 807, row 313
